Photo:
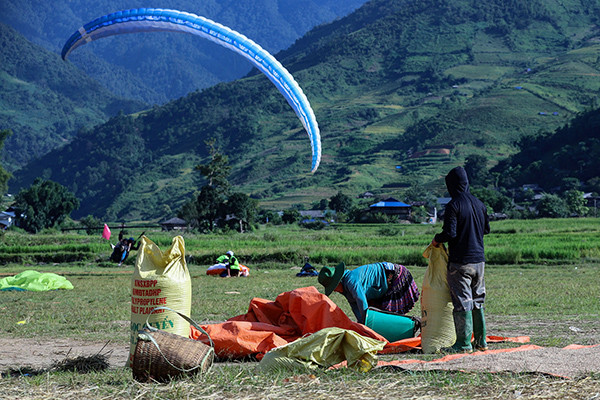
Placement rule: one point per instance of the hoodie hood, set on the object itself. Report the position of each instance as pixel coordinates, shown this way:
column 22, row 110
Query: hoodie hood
column 457, row 181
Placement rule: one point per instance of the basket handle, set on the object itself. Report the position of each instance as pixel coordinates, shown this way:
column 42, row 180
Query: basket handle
column 142, row 335
column 188, row 319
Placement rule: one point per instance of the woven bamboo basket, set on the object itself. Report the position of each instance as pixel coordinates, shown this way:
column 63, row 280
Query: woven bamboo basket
column 161, row 356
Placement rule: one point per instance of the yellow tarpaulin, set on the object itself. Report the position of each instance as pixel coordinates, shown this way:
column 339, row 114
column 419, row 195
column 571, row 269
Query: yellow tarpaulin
column 326, row 348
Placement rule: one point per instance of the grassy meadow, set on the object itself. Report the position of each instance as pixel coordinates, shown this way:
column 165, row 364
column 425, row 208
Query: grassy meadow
column 542, row 279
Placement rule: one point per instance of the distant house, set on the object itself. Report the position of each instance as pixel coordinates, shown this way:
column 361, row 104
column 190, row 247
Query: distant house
column 441, row 206
column 391, row 206
column 442, row 201
column 7, row 218
column 367, row 195
column 532, row 186
column 173, row 224
column 592, row 200
column 316, row 215
column 312, row 213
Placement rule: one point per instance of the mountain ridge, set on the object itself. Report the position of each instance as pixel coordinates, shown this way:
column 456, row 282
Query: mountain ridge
column 155, row 68
column 397, row 79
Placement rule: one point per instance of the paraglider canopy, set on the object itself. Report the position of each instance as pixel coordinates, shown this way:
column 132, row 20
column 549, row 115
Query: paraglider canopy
column 154, row 19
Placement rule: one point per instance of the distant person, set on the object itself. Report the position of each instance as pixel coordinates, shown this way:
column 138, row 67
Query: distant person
column 383, row 285
column 465, row 222
column 120, row 249
column 307, row 269
column 123, row 247
column 232, row 265
column 129, row 245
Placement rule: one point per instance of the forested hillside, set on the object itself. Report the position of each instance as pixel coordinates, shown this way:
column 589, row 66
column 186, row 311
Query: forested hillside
column 402, row 90
column 45, row 101
column 550, row 158
column 154, row 67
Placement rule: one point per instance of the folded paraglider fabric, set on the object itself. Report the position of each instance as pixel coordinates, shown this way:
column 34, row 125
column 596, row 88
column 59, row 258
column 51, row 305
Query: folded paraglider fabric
column 325, row 348
column 218, row 269
column 35, row 281
column 270, row 324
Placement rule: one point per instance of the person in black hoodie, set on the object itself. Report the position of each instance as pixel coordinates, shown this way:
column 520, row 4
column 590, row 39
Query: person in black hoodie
column 465, row 222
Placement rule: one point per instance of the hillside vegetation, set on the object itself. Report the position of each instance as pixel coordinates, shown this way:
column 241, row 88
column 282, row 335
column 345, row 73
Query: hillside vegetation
column 45, row 101
column 571, row 152
column 414, row 85
column 157, row 67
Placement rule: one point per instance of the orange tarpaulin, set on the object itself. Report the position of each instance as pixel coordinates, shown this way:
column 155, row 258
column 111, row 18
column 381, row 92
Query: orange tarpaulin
column 269, row 324
column 568, row 362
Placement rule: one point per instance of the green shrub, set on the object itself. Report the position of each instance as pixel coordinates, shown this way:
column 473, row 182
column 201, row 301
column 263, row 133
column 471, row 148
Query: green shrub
column 314, row 225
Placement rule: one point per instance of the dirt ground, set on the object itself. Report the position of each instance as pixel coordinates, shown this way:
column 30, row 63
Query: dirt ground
column 37, row 354
column 565, row 362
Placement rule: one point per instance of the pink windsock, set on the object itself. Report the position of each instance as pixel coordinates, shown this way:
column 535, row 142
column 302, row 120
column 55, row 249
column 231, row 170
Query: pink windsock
column 106, row 232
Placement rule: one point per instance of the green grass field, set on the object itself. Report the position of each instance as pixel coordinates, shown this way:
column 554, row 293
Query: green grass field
column 542, row 278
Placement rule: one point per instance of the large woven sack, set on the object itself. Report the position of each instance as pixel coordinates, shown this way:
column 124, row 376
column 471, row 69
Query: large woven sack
column 160, row 279
column 437, row 322
column 160, row 356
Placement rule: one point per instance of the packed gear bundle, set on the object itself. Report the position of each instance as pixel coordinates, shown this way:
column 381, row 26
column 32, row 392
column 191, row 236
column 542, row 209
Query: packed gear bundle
column 160, row 279
column 437, row 322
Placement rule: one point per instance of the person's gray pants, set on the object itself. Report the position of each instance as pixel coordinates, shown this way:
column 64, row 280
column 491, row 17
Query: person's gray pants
column 467, row 285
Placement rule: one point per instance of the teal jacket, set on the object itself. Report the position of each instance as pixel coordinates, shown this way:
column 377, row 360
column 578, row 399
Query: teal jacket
column 367, row 282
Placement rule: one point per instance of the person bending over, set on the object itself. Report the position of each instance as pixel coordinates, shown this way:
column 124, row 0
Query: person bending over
column 382, row 285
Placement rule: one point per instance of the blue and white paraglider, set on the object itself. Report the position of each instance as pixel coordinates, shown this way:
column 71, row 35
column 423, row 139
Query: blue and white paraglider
column 153, row 19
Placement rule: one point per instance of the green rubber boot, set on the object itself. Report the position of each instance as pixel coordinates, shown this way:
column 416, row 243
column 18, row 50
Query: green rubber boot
column 479, row 330
column 463, row 325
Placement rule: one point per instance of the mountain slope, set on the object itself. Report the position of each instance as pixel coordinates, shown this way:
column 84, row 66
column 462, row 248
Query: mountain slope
column 402, row 90
column 157, row 67
column 44, row 101
column 571, row 152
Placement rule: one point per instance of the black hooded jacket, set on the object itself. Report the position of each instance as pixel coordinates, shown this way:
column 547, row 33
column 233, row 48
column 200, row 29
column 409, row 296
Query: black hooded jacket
column 465, row 221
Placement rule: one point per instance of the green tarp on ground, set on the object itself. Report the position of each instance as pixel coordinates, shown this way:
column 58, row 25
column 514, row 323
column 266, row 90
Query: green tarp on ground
column 35, row 281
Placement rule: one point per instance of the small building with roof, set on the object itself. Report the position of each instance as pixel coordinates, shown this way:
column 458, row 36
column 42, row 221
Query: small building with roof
column 173, row 224
column 7, row 218
column 391, row 206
